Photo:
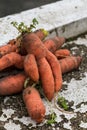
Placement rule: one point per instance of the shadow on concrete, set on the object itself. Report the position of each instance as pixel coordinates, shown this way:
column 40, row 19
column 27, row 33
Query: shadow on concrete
column 8, row 7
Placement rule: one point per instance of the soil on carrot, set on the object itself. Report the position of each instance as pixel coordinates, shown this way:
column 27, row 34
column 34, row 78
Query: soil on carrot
column 17, row 110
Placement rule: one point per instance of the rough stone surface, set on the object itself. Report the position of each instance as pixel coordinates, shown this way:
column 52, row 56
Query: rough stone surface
column 67, row 18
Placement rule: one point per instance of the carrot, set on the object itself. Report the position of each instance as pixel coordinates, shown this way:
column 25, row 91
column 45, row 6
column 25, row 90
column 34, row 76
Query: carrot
column 62, row 53
column 33, row 45
column 69, row 63
column 47, row 79
column 51, row 44
column 7, row 49
column 11, row 59
column 12, row 42
column 54, row 43
column 19, row 63
column 30, row 67
column 34, row 104
column 41, row 33
column 12, row 84
column 56, row 69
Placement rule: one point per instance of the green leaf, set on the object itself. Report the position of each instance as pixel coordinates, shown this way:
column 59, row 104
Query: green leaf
column 35, row 22
column 52, row 119
column 63, row 103
column 22, row 28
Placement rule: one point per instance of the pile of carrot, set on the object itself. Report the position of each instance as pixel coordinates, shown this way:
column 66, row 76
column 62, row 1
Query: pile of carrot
column 40, row 60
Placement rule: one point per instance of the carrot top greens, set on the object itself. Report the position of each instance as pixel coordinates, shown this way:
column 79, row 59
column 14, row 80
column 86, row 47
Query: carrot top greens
column 63, row 103
column 22, row 28
column 52, row 118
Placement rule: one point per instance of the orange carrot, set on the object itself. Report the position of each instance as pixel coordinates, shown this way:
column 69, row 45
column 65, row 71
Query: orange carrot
column 30, row 45
column 56, row 70
column 12, row 42
column 62, row 53
column 34, row 104
column 12, row 84
column 33, row 45
column 11, row 59
column 41, row 33
column 46, row 78
column 30, row 67
column 69, row 63
column 53, row 44
column 7, row 49
column 19, row 63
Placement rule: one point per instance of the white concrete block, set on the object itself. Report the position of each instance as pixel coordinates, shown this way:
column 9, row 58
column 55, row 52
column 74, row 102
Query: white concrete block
column 68, row 17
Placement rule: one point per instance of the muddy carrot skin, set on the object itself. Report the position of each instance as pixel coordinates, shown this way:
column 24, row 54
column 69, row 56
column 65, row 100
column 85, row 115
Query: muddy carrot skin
column 62, row 53
column 30, row 67
column 47, row 78
column 41, row 33
column 69, row 63
column 12, row 84
column 10, row 47
column 34, row 104
column 33, row 45
column 20, row 62
column 11, row 59
column 53, row 44
column 56, row 70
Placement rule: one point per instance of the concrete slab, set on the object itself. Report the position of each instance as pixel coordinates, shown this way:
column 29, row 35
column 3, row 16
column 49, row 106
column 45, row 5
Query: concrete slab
column 67, row 18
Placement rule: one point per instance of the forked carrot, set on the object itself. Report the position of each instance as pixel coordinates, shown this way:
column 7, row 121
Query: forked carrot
column 41, row 33
column 34, row 45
